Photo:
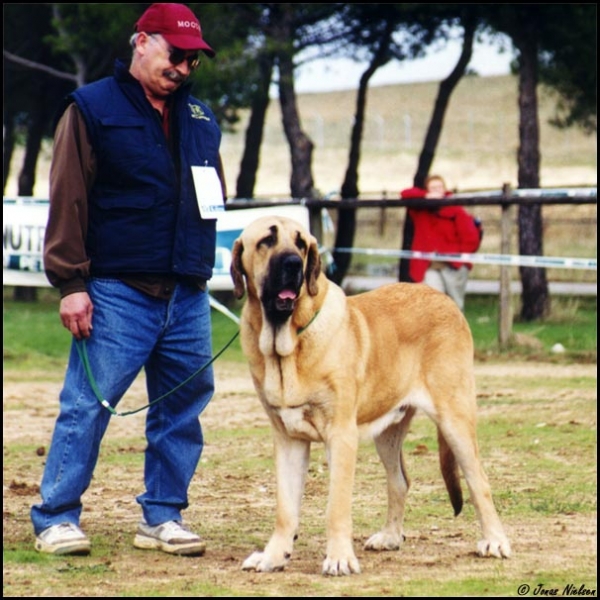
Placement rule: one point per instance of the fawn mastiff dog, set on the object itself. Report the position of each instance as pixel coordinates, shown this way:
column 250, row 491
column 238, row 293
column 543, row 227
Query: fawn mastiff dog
column 328, row 368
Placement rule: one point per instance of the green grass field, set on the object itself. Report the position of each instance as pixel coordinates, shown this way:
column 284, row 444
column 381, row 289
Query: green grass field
column 34, row 338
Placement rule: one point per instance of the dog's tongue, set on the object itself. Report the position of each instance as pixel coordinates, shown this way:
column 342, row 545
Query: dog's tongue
column 286, row 295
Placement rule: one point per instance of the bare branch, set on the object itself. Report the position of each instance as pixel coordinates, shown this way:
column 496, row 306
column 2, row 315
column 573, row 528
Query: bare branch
column 30, row 64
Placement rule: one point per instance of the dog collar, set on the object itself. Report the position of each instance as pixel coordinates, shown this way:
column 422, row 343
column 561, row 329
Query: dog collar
column 301, row 329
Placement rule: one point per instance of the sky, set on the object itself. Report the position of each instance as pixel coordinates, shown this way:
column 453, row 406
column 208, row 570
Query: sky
column 342, row 74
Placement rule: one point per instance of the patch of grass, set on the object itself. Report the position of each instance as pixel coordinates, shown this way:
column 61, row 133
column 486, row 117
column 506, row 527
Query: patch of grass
column 25, row 557
column 572, row 323
column 494, row 586
column 34, row 338
column 130, row 456
column 33, row 334
column 504, row 585
column 198, row 587
column 223, row 330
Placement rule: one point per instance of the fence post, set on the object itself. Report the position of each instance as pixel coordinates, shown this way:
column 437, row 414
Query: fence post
column 382, row 215
column 505, row 309
column 315, row 220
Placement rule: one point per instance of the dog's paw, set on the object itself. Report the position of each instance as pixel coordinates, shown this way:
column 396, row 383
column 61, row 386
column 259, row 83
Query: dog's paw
column 498, row 548
column 261, row 562
column 384, row 540
column 340, row 566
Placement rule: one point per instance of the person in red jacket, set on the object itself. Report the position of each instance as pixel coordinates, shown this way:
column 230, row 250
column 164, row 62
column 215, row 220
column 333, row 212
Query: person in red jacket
column 446, row 229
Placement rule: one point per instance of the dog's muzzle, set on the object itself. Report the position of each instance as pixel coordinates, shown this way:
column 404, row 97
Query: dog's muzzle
column 282, row 286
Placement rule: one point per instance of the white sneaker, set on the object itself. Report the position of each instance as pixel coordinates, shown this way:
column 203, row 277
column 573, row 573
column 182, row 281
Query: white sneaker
column 65, row 538
column 171, row 537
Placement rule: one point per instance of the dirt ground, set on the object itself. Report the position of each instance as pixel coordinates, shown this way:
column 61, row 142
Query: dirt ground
column 232, row 507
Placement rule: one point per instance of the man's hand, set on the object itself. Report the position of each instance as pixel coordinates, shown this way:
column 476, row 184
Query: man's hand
column 76, row 314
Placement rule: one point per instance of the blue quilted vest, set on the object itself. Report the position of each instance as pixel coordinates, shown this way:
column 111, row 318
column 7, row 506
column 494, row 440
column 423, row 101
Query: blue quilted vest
column 143, row 214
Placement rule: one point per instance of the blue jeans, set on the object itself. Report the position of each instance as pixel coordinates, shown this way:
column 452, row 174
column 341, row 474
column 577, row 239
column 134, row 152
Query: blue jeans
column 170, row 339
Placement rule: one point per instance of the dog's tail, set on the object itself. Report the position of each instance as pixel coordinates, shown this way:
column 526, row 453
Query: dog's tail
column 450, row 474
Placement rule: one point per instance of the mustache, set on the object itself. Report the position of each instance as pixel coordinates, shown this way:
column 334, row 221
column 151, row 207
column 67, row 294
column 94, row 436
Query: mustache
column 173, row 75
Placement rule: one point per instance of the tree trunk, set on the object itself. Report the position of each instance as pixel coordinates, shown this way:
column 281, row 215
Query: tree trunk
column 37, row 126
column 35, row 134
column 346, row 225
column 434, row 131
column 535, row 298
column 346, row 222
column 301, row 146
column 447, row 86
column 9, row 147
column 254, row 133
column 26, row 181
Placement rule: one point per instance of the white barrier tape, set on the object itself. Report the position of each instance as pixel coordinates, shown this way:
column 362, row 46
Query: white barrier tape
column 512, row 260
column 223, row 309
column 533, row 193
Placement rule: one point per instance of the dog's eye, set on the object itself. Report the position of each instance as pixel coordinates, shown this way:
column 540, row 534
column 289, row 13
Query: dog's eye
column 300, row 243
column 268, row 241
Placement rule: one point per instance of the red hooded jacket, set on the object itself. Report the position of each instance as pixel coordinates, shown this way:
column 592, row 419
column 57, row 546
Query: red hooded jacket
column 449, row 229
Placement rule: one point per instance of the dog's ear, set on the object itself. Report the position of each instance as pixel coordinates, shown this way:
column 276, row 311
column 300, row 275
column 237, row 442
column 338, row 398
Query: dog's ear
column 313, row 268
column 237, row 269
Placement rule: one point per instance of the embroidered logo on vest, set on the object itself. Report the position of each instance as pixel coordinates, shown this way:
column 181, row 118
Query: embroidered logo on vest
column 197, row 112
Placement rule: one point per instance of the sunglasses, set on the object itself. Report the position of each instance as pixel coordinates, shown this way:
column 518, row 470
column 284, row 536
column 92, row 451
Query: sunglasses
column 177, row 56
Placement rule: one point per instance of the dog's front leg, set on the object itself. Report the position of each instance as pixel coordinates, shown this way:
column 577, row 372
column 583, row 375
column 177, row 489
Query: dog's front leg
column 342, row 448
column 291, row 465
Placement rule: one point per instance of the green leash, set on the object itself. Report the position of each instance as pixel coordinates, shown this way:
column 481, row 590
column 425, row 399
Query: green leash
column 83, row 355
column 301, row 329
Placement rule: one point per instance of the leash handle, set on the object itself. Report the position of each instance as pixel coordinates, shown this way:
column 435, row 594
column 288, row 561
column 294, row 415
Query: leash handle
column 83, row 355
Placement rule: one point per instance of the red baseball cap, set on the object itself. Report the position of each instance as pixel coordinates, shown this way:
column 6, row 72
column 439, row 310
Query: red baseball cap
column 177, row 24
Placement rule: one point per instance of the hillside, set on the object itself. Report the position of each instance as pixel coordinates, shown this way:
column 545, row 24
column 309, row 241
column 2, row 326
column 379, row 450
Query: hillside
column 477, row 150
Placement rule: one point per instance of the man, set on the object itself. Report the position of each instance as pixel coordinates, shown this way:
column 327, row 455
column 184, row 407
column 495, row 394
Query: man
column 445, row 229
column 130, row 253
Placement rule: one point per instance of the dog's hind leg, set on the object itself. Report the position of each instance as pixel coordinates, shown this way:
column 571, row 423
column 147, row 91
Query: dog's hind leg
column 460, row 436
column 450, row 473
column 291, row 464
column 389, row 447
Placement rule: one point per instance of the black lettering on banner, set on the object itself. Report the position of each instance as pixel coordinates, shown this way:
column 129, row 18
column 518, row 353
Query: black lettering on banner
column 23, row 238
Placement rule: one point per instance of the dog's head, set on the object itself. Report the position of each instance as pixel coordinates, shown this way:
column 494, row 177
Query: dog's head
column 275, row 259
